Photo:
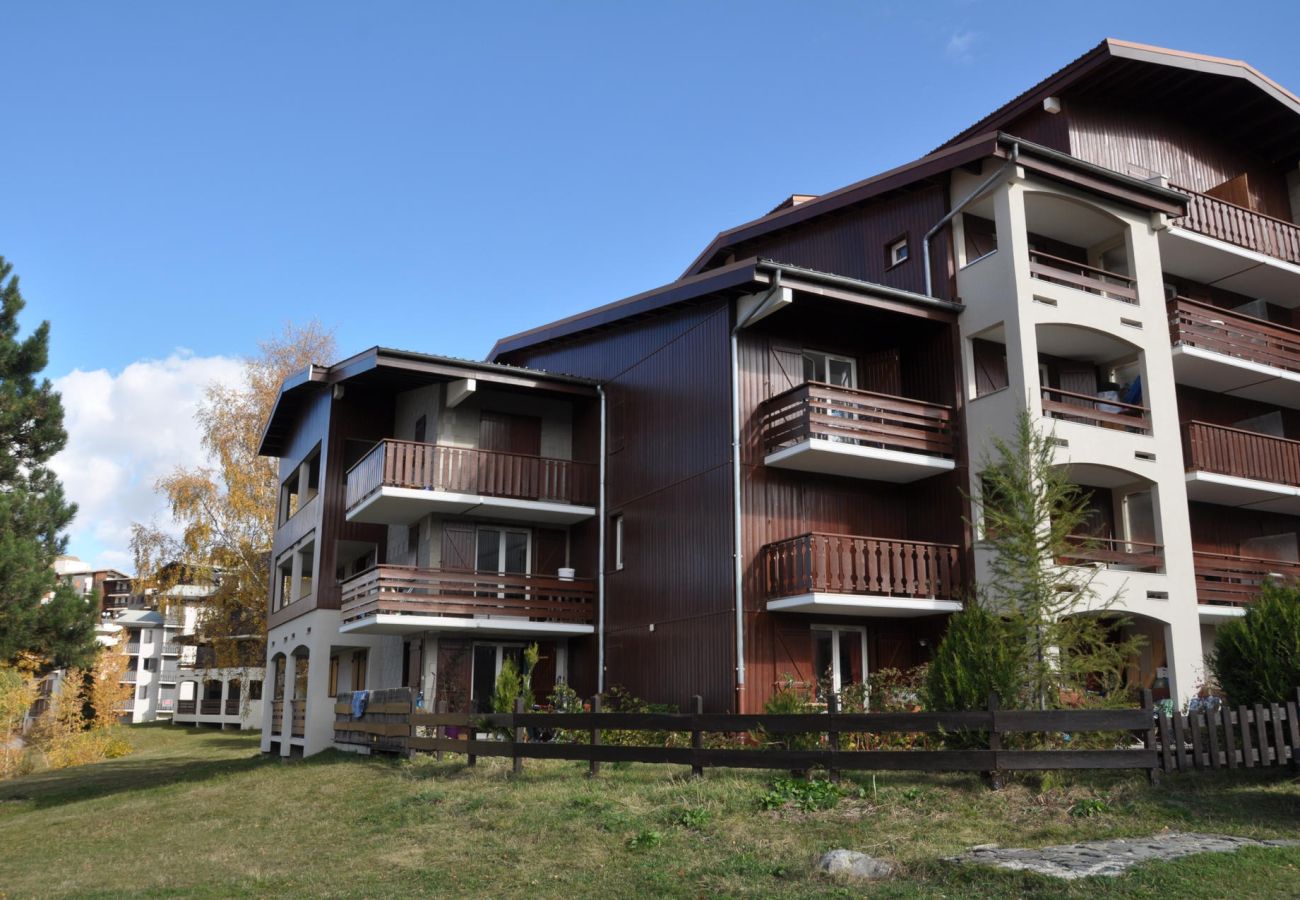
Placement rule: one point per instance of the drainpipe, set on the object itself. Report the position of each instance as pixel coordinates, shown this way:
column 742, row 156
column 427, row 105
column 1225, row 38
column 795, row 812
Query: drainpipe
column 969, row 198
column 600, row 553
column 738, row 548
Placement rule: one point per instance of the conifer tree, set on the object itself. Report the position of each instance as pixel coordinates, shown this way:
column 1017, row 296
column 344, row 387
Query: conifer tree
column 42, row 623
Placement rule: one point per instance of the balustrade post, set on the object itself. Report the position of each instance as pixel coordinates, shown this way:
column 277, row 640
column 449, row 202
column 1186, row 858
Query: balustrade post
column 593, row 768
column 697, row 737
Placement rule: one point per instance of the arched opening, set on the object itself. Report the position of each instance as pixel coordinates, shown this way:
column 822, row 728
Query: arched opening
column 1121, row 528
column 210, row 705
column 1091, row 377
column 1075, row 243
column 1145, row 669
column 233, row 690
column 277, row 692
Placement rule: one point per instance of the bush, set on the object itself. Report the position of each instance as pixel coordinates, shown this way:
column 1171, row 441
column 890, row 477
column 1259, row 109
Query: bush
column 976, row 656
column 790, row 698
column 1256, row 658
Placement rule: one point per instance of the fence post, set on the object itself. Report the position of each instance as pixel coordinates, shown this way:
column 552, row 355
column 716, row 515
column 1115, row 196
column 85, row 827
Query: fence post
column 470, row 758
column 697, row 737
column 516, row 738
column 832, row 735
column 594, row 767
column 1166, row 743
column 1293, row 726
column 1149, row 739
column 995, row 741
column 440, row 707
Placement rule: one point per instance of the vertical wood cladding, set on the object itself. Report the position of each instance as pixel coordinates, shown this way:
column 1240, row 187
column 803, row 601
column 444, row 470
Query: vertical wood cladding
column 669, row 612
column 1137, row 139
column 854, row 242
column 1221, row 529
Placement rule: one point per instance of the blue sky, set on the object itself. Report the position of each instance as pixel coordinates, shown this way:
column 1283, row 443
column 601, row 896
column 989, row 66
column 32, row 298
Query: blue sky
column 179, row 179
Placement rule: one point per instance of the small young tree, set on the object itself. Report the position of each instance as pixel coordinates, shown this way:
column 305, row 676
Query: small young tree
column 1256, row 658
column 1033, row 519
column 979, row 654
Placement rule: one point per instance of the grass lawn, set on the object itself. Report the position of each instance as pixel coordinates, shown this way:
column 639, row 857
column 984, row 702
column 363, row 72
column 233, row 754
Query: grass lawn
column 202, row 813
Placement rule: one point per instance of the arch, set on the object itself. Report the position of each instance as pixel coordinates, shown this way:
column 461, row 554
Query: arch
column 1071, row 220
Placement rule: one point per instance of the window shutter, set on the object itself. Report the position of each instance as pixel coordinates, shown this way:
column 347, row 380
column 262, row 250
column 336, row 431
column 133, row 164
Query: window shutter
column 784, row 368
column 458, row 546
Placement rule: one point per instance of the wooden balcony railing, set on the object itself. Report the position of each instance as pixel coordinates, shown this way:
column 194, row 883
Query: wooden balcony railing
column 1090, row 410
column 815, row 410
column 232, row 707
column 1086, row 278
column 1197, row 324
column 1225, row 579
column 130, row 676
column 1115, row 553
column 1244, row 454
column 210, row 707
column 277, row 716
column 462, row 470
column 415, row 591
column 849, row 564
column 133, row 647
column 185, row 707
column 299, row 713
column 1237, row 225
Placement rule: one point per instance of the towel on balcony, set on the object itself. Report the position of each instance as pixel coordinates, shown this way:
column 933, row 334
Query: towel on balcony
column 359, row 701
column 1133, row 393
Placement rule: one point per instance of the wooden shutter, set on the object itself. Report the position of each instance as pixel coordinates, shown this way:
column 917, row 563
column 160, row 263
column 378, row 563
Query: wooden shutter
column 458, row 546
column 1234, row 190
column 784, row 368
column 881, row 372
column 543, row 680
column 452, row 686
column 510, row 433
column 549, row 550
column 414, row 663
column 990, row 366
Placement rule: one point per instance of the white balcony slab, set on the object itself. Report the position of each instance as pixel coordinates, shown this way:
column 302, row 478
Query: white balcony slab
column 819, row 603
column 390, row 623
column 1246, row 493
column 1235, row 376
column 856, row 461
column 1213, row 615
column 402, row 506
column 1211, row 261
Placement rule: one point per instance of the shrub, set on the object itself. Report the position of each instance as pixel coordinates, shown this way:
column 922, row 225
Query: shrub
column 976, row 656
column 789, row 698
column 1256, row 658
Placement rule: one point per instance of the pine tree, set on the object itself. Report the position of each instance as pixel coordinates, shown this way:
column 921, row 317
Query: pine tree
column 41, row 621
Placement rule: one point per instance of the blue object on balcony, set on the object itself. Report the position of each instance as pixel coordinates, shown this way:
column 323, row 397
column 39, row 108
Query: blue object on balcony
column 1133, row 393
column 359, row 701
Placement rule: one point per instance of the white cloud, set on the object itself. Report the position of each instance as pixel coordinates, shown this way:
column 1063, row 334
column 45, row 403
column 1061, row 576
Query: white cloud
column 124, row 432
column 961, row 46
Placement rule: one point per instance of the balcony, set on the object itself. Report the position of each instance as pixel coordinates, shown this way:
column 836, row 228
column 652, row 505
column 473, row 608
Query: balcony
column 130, row 676
column 1230, row 582
column 860, row 434
column 171, row 649
column 1058, row 270
column 186, row 707
column 232, row 707
column 844, row 574
column 1067, row 406
column 1115, row 553
column 277, row 717
column 1240, row 226
column 298, row 720
column 408, row 599
column 210, row 707
column 133, row 648
column 1229, row 353
column 1232, row 467
column 398, row 482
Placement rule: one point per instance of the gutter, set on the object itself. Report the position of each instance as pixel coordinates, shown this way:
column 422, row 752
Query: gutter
column 600, row 552
column 970, row 198
column 865, row 287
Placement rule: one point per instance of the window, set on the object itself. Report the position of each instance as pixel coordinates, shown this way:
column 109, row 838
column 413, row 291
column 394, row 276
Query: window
column 827, row 368
column 150, row 665
column 617, row 528
column 142, row 692
column 502, row 550
column 981, row 237
column 255, row 690
column 839, row 657
column 359, row 661
column 334, row 676
column 284, row 584
column 300, row 487
column 896, row 252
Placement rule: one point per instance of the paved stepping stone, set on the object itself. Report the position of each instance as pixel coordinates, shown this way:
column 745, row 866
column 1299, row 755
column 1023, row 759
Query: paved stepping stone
column 1112, row 857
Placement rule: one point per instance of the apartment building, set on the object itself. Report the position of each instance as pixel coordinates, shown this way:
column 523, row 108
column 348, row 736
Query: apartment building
column 758, row 470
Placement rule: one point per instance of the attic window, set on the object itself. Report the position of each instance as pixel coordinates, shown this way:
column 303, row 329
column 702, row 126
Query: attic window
column 896, row 252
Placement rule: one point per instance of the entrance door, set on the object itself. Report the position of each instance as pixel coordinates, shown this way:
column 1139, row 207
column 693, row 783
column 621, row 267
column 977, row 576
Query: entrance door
column 487, row 666
column 839, row 657
column 503, row 551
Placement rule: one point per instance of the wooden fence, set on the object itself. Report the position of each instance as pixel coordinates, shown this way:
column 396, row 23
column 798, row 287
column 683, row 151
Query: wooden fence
column 1260, row 736
column 390, row 724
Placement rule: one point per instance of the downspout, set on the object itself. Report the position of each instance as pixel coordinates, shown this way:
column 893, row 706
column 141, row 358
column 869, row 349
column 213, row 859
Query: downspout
column 600, row 564
column 969, row 198
column 738, row 548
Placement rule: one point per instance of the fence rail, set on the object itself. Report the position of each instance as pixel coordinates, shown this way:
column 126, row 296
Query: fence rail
column 1058, row 270
column 466, row 470
column 1217, row 330
column 1226, row 578
column 827, row 412
column 1234, row 224
column 1116, row 553
column 849, row 564
column 1258, row 736
column 1092, row 410
column 1244, row 454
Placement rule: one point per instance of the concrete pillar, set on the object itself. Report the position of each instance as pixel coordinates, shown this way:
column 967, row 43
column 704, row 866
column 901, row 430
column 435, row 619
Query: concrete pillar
column 286, row 720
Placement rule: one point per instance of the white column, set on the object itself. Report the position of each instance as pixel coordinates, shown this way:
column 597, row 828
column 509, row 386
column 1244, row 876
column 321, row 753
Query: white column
column 286, row 720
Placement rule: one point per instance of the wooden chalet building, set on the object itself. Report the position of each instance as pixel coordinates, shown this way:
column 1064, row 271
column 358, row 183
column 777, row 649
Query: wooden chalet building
column 758, row 470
